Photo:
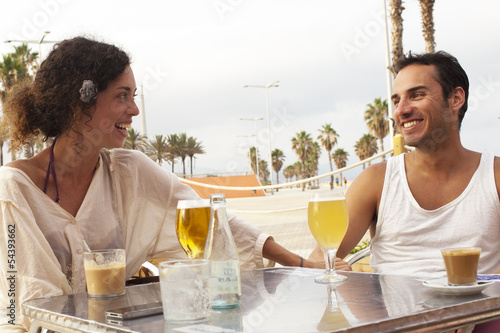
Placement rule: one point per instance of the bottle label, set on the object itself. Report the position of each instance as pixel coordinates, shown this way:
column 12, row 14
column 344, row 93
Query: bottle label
column 226, row 277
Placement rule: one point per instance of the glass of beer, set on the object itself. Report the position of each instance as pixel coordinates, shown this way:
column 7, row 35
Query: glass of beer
column 328, row 219
column 191, row 225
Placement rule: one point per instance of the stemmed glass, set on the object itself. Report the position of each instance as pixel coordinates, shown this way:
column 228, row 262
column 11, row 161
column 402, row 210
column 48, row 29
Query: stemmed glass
column 333, row 318
column 328, row 219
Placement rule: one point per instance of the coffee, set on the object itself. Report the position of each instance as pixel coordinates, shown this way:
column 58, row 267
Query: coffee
column 105, row 280
column 461, row 265
column 105, row 272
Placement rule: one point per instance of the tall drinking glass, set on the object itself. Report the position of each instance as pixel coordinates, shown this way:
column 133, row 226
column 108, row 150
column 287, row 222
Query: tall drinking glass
column 191, row 225
column 328, row 219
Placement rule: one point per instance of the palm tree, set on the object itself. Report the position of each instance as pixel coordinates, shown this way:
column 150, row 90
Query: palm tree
column 10, row 70
column 328, row 139
column 193, row 147
column 253, row 159
column 427, row 8
column 263, row 171
column 376, row 120
column 366, row 147
column 278, row 157
column 159, row 149
column 16, row 68
column 340, row 159
column 297, row 170
column 288, row 173
column 135, row 140
column 28, row 60
column 181, row 151
column 303, row 145
column 4, row 135
column 312, row 162
column 172, row 141
column 396, row 11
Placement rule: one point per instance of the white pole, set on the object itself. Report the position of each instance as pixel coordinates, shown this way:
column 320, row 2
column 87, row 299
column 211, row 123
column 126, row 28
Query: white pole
column 269, row 141
column 256, row 151
column 388, row 76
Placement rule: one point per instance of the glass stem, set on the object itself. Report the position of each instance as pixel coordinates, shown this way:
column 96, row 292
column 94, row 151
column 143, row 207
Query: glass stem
column 332, row 298
column 330, row 261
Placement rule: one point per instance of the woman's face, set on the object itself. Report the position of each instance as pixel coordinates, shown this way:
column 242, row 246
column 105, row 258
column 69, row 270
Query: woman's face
column 115, row 108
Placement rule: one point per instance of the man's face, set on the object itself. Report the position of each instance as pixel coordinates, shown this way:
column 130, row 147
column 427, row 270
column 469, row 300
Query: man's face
column 422, row 114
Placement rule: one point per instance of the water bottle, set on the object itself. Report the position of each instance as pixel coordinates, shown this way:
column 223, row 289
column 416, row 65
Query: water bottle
column 221, row 250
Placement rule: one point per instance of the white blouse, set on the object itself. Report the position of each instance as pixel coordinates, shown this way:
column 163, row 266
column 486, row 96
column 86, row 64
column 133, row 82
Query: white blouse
column 131, row 203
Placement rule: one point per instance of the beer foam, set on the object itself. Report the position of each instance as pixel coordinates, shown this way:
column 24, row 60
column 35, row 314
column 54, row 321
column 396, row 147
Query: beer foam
column 327, row 199
column 196, row 203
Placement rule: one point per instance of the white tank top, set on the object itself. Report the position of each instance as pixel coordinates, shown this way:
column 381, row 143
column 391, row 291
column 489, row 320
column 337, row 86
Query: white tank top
column 408, row 238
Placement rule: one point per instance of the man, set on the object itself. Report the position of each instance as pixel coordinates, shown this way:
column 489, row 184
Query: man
column 441, row 195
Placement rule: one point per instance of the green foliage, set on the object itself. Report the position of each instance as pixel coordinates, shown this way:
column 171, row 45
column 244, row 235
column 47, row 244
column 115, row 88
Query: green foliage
column 361, row 246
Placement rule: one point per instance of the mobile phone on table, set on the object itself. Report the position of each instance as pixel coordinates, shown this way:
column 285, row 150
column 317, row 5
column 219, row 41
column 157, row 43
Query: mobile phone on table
column 135, row 311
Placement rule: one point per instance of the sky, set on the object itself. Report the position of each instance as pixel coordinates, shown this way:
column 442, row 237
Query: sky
column 193, row 59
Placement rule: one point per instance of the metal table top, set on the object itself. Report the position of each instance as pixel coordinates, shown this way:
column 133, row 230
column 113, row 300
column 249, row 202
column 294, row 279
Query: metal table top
column 287, row 300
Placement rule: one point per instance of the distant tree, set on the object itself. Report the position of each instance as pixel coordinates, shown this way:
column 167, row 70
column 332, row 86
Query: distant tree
column 366, row 147
column 376, row 117
column 303, row 146
column 135, row 141
column 312, row 161
column 4, row 135
column 193, row 148
column 16, row 68
column 340, row 159
column 264, row 171
column 278, row 158
column 173, row 146
column 297, row 170
column 181, row 151
column 328, row 139
column 288, row 173
column 159, row 149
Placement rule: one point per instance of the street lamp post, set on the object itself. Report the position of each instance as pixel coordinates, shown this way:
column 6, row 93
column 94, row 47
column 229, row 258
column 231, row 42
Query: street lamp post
column 256, row 149
column 39, row 42
column 267, row 86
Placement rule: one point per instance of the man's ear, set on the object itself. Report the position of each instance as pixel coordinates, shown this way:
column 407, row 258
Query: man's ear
column 456, row 99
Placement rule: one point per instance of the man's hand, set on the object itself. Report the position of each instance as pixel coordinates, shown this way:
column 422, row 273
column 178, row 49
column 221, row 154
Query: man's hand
column 340, row 264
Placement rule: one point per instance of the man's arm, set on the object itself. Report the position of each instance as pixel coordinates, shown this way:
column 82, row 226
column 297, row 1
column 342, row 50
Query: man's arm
column 362, row 199
column 275, row 252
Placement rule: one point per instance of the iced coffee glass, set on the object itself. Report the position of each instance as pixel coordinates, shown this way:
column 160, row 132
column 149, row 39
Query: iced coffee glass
column 461, row 265
column 105, row 272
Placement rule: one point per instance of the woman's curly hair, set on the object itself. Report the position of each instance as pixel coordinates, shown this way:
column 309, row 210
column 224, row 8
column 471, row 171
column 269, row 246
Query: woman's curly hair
column 51, row 104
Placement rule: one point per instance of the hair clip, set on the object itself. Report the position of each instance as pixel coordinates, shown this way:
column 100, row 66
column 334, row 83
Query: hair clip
column 87, row 91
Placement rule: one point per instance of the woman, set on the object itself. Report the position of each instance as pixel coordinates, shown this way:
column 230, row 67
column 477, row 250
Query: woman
column 77, row 191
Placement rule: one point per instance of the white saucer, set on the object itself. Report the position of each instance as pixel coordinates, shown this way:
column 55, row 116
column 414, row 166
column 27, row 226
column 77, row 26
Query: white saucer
column 442, row 287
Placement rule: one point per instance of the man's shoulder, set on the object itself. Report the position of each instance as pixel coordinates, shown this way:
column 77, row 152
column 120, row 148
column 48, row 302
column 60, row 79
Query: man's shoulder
column 375, row 170
column 372, row 178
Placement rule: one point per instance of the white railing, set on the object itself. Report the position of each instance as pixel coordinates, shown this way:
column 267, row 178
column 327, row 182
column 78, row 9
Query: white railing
column 265, row 187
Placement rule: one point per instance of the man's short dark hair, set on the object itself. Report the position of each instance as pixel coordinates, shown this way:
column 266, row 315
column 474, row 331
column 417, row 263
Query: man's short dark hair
column 449, row 73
